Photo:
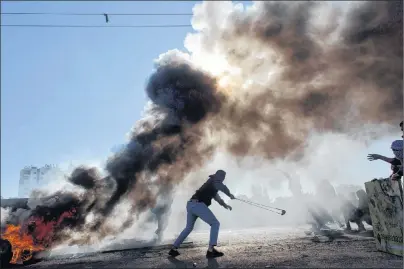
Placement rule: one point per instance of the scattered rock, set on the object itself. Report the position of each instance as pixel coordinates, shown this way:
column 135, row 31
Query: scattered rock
column 322, row 239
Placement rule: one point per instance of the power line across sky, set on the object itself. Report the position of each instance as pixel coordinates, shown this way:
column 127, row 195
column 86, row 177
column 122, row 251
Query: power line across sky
column 95, row 14
column 106, row 15
column 96, row 26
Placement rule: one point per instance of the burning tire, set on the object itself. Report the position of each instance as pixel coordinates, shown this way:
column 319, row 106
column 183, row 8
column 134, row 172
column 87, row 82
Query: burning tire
column 32, row 260
column 29, row 257
column 6, row 253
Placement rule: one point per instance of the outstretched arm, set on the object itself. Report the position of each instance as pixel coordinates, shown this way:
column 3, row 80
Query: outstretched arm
column 374, row 157
column 221, row 202
column 221, row 187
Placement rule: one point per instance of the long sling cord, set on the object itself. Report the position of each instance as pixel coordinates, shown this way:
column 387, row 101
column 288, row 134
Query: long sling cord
column 265, row 207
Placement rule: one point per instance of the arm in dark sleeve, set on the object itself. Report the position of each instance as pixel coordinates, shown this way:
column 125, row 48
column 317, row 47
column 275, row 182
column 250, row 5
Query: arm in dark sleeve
column 395, row 161
column 386, row 159
column 220, row 200
column 221, row 187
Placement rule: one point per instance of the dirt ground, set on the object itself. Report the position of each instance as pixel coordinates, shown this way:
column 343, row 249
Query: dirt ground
column 244, row 249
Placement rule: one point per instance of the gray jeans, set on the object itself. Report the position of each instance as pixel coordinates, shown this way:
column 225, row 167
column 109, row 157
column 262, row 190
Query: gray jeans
column 199, row 210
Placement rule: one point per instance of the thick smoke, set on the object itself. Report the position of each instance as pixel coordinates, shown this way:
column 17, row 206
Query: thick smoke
column 300, row 77
column 257, row 82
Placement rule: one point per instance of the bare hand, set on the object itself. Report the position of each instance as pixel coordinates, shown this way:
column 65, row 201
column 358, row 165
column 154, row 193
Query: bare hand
column 229, row 207
column 373, row 157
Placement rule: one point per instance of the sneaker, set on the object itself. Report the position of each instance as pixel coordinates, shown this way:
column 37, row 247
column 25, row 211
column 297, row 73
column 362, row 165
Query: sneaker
column 214, row 253
column 173, row 253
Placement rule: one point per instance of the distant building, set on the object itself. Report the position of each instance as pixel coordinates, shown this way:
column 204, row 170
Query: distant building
column 28, row 177
column 32, row 177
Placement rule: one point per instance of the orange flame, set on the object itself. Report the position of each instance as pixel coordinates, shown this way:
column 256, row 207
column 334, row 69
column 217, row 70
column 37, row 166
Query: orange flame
column 23, row 243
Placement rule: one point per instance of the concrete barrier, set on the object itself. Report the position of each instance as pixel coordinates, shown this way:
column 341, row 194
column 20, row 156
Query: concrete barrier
column 386, row 212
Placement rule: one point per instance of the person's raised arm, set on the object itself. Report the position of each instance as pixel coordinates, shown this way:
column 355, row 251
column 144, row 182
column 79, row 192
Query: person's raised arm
column 221, row 187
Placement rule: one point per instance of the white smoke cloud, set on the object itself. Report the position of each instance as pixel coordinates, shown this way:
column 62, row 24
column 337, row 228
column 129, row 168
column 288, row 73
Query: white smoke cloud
column 342, row 165
column 4, row 215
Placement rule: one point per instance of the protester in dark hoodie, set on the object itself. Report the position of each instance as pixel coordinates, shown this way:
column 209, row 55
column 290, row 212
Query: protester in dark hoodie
column 198, row 207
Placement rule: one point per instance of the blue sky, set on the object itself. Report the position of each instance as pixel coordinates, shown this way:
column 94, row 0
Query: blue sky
column 75, row 93
column 72, row 94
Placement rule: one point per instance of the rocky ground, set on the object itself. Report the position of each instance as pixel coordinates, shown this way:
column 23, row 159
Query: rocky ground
column 265, row 248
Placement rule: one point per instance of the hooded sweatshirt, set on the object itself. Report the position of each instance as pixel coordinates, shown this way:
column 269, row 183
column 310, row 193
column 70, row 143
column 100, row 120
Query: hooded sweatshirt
column 209, row 190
